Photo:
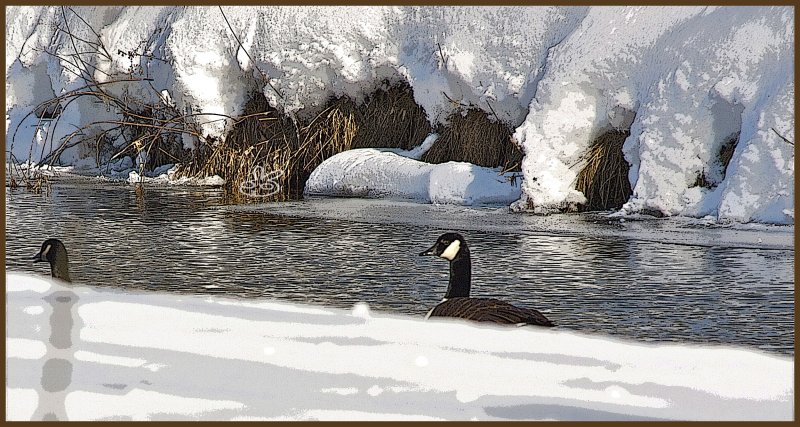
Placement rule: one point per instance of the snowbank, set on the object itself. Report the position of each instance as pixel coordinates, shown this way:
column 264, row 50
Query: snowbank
column 85, row 354
column 682, row 79
column 395, row 173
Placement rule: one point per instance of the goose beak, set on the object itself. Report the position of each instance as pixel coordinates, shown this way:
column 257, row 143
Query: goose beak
column 38, row 257
column 429, row 251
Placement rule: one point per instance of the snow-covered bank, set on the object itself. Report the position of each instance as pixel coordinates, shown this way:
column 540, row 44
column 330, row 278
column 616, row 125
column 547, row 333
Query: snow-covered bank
column 79, row 353
column 371, row 172
column 684, row 80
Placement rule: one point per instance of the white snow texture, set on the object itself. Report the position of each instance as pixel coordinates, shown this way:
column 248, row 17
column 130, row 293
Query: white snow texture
column 683, row 80
column 395, row 173
column 87, row 354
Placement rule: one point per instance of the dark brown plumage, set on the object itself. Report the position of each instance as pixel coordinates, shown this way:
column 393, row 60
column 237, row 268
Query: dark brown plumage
column 457, row 302
column 489, row 310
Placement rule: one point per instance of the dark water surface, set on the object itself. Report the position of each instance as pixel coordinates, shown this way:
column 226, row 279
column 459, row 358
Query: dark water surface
column 598, row 279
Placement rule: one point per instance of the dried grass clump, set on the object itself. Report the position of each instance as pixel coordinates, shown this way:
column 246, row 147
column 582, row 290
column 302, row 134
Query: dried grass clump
column 390, row 117
column 604, row 178
column 264, row 138
column 471, row 136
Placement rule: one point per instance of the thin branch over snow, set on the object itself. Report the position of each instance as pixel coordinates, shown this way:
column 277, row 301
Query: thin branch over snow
column 782, row 137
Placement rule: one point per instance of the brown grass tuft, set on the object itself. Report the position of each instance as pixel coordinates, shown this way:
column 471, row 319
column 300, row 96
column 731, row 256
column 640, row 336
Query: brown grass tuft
column 604, row 178
column 390, row 117
column 471, row 136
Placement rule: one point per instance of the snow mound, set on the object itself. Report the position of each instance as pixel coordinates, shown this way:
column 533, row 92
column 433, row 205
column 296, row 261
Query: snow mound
column 369, row 172
column 83, row 354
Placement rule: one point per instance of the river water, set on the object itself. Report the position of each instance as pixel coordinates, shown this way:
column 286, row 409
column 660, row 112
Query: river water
column 648, row 279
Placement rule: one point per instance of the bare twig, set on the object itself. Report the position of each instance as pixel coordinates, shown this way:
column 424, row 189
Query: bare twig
column 782, row 137
column 441, row 55
column 100, row 44
column 253, row 61
column 454, row 102
column 492, row 110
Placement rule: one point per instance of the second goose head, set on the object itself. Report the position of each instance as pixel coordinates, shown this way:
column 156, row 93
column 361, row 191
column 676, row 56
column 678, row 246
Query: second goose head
column 54, row 252
column 453, row 248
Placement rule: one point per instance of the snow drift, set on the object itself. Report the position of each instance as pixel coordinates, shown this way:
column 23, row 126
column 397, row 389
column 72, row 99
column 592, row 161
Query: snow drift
column 683, row 79
column 395, row 173
column 85, row 354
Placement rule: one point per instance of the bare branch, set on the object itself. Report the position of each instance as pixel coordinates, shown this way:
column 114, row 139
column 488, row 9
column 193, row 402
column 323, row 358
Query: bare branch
column 441, row 55
column 782, row 137
column 253, row 61
column 100, row 44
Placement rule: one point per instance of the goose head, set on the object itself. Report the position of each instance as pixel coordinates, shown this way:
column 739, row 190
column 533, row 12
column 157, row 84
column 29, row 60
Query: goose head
column 448, row 246
column 453, row 248
column 54, row 252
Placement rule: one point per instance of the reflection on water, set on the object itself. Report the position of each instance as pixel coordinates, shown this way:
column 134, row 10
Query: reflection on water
column 177, row 240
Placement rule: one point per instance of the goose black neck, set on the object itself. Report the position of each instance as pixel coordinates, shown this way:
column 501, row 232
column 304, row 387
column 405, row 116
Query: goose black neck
column 460, row 275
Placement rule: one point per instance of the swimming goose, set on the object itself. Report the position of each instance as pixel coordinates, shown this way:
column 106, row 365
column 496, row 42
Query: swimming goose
column 457, row 302
column 54, row 252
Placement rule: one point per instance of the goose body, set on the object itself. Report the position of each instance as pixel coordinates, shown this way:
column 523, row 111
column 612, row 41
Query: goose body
column 457, row 302
column 55, row 253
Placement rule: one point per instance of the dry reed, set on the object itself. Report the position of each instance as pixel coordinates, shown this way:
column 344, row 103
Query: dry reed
column 471, row 136
column 604, row 177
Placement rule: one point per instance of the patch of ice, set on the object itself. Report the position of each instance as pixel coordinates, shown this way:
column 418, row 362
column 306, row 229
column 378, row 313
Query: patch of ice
column 142, row 405
column 106, row 359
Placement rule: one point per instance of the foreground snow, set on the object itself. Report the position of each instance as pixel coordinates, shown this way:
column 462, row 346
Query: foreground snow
column 559, row 75
column 84, row 354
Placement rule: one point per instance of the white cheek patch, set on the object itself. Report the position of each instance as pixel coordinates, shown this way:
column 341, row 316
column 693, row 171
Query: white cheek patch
column 45, row 251
column 451, row 250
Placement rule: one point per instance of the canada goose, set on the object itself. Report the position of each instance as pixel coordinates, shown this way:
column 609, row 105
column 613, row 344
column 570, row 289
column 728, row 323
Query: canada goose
column 457, row 302
column 54, row 252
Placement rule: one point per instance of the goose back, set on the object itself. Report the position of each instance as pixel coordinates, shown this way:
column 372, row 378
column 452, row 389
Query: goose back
column 489, row 310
